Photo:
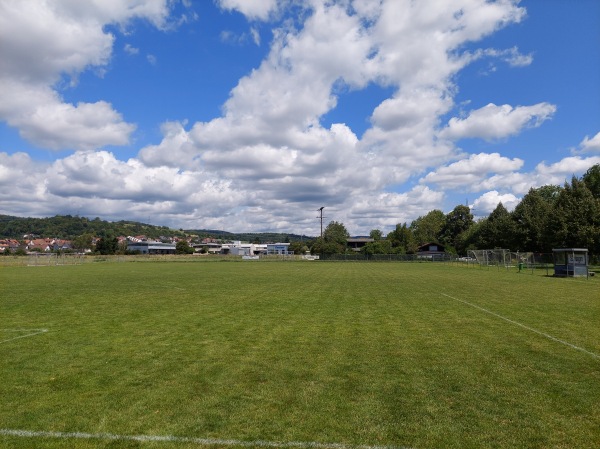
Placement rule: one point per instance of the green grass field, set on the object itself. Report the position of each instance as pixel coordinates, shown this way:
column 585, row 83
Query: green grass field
column 297, row 354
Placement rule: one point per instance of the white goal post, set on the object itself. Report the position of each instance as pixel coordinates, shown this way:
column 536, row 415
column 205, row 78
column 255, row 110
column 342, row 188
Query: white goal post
column 502, row 257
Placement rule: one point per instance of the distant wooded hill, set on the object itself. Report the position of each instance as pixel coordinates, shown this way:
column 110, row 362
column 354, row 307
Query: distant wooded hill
column 69, row 227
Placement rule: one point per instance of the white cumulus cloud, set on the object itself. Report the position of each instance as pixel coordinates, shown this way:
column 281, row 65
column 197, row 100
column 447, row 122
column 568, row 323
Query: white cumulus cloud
column 495, row 122
column 566, row 168
column 470, row 173
column 49, row 40
column 253, row 9
column 487, row 202
column 590, row 145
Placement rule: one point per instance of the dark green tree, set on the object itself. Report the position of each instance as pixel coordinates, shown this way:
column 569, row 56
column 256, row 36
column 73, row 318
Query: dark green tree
column 83, row 242
column 549, row 192
column 428, row 228
column 471, row 237
column 375, row 234
column 401, row 240
column 107, row 245
column 183, row 247
column 334, row 240
column 381, row 246
column 457, row 222
column 298, row 247
column 497, row 230
column 575, row 218
column 531, row 219
column 336, row 232
column 591, row 178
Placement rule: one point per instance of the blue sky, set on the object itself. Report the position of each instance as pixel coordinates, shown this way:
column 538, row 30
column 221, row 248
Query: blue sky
column 250, row 115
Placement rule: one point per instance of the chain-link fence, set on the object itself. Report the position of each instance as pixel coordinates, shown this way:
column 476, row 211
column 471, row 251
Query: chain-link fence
column 360, row 257
column 499, row 259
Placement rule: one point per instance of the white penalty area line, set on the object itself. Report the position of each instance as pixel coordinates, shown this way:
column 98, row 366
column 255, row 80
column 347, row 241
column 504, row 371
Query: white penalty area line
column 176, row 439
column 531, row 329
column 31, row 333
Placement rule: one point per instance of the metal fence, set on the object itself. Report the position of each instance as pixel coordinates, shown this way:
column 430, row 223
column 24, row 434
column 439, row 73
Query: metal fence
column 498, row 259
column 360, row 257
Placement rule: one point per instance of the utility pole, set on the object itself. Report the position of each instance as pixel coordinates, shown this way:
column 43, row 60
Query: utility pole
column 321, row 217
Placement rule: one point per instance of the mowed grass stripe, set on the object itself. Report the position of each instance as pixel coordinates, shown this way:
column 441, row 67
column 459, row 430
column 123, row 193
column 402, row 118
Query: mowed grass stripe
column 530, row 329
column 567, row 309
column 358, row 354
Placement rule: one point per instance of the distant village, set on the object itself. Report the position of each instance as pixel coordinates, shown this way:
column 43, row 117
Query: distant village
column 35, row 245
column 190, row 245
column 142, row 245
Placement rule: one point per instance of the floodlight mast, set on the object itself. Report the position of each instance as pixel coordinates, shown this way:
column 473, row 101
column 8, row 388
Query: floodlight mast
column 320, row 209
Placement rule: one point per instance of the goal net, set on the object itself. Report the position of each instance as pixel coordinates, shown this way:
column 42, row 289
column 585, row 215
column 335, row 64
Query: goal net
column 507, row 259
column 494, row 257
column 40, row 259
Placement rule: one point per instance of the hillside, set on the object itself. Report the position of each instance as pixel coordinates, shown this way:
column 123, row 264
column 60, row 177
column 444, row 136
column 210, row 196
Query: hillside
column 69, row 227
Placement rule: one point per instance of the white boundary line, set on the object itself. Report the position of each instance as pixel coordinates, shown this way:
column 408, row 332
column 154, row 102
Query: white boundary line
column 516, row 323
column 175, row 439
column 32, row 332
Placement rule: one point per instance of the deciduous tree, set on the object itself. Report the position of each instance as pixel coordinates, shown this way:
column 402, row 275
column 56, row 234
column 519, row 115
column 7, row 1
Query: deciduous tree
column 183, row 247
column 428, row 228
column 376, row 234
column 401, row 240
column 591, row 178
column 531, row 217
column 83, row 242
column 496, row 231
column 575, row 218
column 457, row 222
column 334, row 239
column 298, row 247
column 107, row 245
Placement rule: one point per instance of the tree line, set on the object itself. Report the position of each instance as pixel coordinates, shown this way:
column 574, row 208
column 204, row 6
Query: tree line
column 547, row 217
column 71, row 227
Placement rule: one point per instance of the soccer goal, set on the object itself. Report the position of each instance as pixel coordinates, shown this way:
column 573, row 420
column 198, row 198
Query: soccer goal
column 522, row 261
column 494, row 257
column 41, row 259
